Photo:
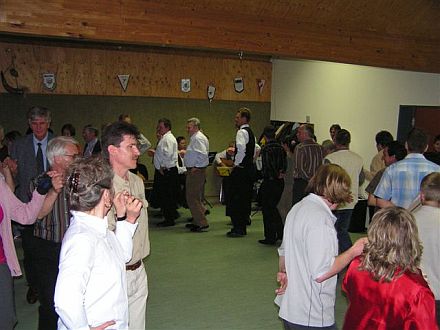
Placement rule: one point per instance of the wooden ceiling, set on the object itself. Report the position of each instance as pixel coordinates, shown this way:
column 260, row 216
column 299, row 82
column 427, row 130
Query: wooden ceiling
column 401, row 34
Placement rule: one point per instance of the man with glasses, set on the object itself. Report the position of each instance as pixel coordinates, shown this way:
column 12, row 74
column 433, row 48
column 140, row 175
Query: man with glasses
column 49, row 230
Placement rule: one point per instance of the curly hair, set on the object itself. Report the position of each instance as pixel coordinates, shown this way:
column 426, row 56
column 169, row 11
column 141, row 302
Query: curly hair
column 393, row 245
column 87, row 180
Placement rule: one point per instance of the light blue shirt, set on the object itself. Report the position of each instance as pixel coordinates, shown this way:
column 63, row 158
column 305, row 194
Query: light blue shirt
column 400, row 182
column 43, row 148
column 197, row 151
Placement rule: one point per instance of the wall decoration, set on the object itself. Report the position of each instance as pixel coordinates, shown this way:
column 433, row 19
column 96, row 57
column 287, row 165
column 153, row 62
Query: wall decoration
column 185, row 85
column 211, row 92
column 239, row 84
column 260, row 84
column 49, row 81
column 123, row 80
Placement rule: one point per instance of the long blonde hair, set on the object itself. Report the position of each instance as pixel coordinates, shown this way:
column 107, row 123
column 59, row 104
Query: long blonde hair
column 393, row 245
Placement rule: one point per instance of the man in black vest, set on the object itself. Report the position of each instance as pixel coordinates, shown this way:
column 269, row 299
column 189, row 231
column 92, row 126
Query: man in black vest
column 242, row 176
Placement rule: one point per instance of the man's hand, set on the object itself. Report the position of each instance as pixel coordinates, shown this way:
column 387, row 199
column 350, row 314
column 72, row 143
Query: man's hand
column 282, row 279
column 103, row 326
column 133, row 206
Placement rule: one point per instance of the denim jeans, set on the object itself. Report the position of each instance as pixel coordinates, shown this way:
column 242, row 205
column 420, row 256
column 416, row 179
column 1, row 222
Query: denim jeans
column 341, row 226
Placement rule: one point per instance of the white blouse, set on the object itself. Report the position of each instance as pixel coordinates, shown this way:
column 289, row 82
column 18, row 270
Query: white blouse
column 91, row 286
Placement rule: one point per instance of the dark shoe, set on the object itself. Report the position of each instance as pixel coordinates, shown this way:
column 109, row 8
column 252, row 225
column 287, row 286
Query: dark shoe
column 234, row 234
column 31, row 296
column 207, row 212
column 190, row 225
column 199, row 229
column 266, row 242
column 166, row 224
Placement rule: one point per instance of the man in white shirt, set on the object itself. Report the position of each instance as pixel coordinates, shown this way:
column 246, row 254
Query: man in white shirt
column 196, row 161
column 242, row 176
column 166, row 174
column 353, row 164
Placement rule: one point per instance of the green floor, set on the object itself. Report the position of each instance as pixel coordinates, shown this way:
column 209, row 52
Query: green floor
column 203, row 280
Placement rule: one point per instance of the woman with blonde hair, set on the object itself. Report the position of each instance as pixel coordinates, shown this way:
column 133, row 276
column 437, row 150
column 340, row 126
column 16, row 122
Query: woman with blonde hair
column 384, row 285
column 91, row 289
column 309, row 257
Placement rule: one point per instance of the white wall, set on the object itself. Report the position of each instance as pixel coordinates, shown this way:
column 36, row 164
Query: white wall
column 362, row 99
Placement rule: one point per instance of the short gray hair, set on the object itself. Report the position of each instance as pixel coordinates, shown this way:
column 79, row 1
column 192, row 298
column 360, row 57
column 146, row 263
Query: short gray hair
column 56, row 147
column 195, row 121
column 42, row 112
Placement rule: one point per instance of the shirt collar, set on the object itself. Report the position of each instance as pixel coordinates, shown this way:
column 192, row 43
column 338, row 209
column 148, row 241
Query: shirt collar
column 97, row 223
column 415, row 155
column 244, row 125
column 43, row 142
column 318, row 199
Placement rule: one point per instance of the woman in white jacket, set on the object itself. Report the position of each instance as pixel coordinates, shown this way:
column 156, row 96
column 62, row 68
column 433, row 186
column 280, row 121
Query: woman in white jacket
column 91, row 290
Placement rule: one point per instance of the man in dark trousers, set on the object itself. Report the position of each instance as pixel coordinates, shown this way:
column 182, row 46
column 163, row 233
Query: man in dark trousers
column 242, row 176
column 274, row 167
column 29, row 154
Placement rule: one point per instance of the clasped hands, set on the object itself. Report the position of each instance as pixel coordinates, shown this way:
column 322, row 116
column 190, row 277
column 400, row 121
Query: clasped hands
column 127, row 206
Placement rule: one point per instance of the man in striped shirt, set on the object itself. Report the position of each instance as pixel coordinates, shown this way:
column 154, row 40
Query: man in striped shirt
column 307, row 157
column 53, row 221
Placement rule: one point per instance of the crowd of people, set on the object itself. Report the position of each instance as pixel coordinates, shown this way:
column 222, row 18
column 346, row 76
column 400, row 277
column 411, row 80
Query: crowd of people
column 82, row 217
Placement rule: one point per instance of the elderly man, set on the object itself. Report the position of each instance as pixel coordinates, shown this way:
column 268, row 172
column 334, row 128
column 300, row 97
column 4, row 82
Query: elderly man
column 166, row 176
column 196, row 161
column 29, row 153
column 307, row 157
column 119, row 143
column 53, row 221
column 92, row 146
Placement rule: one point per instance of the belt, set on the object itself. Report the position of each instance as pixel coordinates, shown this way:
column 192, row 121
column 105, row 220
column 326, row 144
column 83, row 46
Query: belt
column 135, row 266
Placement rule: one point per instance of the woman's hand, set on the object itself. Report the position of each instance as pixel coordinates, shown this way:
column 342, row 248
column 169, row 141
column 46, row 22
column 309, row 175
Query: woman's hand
column 119, row 202
column 282, row 279
column 103, row 326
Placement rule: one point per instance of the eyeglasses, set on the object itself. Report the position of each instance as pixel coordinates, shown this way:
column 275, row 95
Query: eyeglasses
column 73, row 156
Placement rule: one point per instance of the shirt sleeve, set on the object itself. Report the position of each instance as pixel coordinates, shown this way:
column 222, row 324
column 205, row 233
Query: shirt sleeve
column 124, row 234
column 319, row 252
column 384, row 188
column 422, row 312
column 218, row 156
column 240, row 143
column 76, row 263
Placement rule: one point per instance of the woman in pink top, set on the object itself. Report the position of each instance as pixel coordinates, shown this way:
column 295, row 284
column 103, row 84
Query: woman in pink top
column 12, row 208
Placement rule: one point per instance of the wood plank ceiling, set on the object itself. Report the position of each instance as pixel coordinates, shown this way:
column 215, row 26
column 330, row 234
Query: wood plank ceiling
column 401, row 34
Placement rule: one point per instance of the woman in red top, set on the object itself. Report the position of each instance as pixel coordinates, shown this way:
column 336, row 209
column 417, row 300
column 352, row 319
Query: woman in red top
column 384, row 285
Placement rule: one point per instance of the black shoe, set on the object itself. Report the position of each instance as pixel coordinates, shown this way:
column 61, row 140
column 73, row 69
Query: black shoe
column 207, row 212
column 166, row 224
column 234, row 234
column 199, row 229
column 266, row 242
column 31, row 296
column 190, row 225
